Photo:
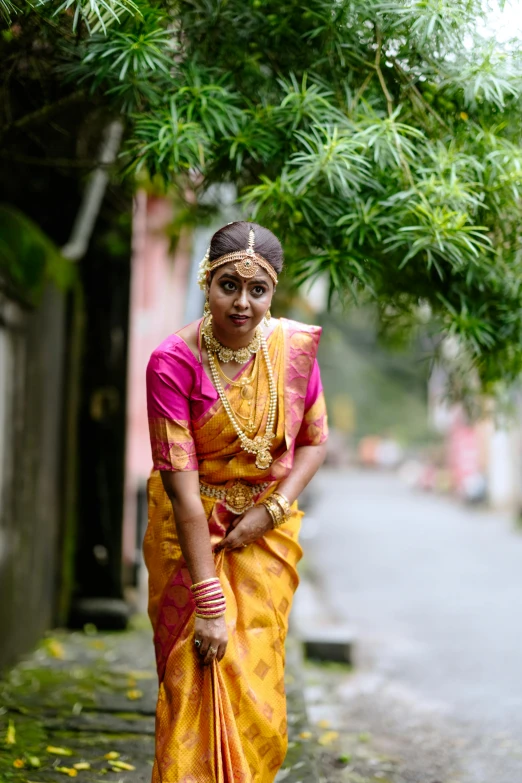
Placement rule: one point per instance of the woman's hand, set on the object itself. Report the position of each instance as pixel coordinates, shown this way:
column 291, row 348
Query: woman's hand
column 247, row 528
column 213, row 635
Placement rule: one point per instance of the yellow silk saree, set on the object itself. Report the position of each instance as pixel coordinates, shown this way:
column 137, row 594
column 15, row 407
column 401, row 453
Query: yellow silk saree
column 225, row 723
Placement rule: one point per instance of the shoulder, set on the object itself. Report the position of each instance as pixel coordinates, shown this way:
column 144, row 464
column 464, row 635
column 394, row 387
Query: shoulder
column 297, row 327
column 173, row 358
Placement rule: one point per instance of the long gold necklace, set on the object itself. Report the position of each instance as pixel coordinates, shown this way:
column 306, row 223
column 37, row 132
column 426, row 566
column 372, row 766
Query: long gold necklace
column 260, row 445
column 246, row 393
column 245, row 382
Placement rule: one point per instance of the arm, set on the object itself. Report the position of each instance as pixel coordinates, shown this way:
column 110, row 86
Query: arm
column 257, row 521
column 182, row 487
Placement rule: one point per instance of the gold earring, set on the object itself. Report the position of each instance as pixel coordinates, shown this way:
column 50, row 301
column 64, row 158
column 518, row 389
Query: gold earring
column 268, row 316
column 206, row 309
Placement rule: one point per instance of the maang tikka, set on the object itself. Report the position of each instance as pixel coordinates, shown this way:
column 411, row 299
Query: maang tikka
column 247, row 263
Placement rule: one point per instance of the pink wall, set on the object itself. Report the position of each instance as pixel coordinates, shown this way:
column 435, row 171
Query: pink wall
column 158, row 288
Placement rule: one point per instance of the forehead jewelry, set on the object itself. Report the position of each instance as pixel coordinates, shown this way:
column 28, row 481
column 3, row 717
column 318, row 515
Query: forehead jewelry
column 247, row 263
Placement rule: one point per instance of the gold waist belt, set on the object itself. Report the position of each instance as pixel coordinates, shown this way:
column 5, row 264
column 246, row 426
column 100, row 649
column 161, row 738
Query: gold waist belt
column 238, row 497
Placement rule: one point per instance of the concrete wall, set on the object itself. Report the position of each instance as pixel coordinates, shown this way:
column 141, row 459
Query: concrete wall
column 31, row 367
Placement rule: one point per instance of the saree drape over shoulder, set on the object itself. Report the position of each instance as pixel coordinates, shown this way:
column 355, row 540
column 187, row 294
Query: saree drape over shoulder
column 225, row 723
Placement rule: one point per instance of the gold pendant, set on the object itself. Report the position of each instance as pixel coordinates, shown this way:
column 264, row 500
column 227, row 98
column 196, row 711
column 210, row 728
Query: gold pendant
column 247, row 392
column 238, row 498
column 263, row 460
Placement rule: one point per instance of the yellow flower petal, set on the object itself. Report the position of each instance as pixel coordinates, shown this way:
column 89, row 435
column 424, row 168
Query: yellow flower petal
column 305, row 734
column 10, row 737
column 328, row 737
column 323, row 724
column 134, row 694
column 122, row 765
column 112, row 755
column 82, row 765
column 59, row 751
column 67, row 771
column 18, row 763
column 464, row 116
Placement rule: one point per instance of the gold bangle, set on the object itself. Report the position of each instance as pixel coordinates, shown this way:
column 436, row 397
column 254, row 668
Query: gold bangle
column 275, row 511
column 204, row 582
column 283, row 502
column 209, row 616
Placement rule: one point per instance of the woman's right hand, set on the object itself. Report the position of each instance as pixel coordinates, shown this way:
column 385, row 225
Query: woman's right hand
column 213, row 635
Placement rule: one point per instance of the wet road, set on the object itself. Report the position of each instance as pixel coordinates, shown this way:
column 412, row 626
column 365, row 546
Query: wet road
column 434, row 592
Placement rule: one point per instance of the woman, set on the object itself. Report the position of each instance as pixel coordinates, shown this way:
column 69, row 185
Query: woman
column 238, row 429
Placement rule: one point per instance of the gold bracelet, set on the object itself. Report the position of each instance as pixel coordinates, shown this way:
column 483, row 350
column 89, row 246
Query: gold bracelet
column 276, row 512
column 283, row 502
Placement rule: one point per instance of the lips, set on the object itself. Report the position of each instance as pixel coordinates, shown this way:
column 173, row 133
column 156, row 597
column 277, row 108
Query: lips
column 239, row 319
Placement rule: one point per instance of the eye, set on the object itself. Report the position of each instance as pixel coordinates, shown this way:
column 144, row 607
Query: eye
column 259, row 290
column 228, row 285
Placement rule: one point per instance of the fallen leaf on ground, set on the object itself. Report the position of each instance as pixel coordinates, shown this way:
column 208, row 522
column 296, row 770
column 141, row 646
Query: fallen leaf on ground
column 82, row 765
column 134, row 694
column 122, row 765
column 55, row 649
column 142, row 675
column 328, row 737
column 305, row 734
column 112, row 755
column 18, row 763
column 67, row 771
column 10, row 737
column 59, row 751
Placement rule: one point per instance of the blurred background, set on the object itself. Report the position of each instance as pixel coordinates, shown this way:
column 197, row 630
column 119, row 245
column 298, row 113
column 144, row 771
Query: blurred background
column 382, row 142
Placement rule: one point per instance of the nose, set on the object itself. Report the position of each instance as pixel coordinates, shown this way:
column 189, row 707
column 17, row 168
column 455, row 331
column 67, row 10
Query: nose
column 241, row 300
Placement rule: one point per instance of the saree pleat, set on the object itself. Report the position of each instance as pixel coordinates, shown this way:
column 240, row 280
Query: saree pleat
column 226, row 723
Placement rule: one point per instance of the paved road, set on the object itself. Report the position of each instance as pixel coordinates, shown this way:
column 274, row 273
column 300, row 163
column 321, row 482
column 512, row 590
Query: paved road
column 434, row 592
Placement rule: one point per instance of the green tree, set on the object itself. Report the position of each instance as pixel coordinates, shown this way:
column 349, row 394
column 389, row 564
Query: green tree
column 379, row 138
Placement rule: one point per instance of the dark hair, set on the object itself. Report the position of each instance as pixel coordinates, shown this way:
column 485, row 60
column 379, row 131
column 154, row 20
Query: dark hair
column 235, row 237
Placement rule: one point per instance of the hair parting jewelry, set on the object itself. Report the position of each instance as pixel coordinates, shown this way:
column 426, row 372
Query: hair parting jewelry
column 247, row 263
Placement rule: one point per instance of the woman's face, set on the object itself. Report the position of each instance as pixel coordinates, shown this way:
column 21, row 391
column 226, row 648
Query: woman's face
column 238, row 305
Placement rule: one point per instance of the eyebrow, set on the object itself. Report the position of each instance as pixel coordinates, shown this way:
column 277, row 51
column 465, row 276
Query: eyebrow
column 256, row 280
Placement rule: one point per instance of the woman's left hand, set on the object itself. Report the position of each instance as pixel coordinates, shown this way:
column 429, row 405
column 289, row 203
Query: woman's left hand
column 247, row 528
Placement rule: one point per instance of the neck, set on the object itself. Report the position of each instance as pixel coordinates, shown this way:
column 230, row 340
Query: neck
column 233, row 341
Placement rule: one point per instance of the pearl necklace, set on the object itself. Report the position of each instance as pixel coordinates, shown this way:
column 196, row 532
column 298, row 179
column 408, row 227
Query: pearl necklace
column 260, row 445
column 226, row 354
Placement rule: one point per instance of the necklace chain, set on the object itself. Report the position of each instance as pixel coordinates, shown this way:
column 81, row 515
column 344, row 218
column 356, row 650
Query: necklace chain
column 226, row 354
column 260, row 445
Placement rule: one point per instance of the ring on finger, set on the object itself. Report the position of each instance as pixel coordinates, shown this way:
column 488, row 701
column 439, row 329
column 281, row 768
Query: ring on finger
column 197, row 642
column 212, row 650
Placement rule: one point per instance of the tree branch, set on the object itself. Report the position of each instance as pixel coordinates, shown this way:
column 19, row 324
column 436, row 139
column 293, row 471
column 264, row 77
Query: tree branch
column 389, row 103
column 362, row 89
column 418, row 94
column 63, row 163
column 44, row 112
column 377, row 66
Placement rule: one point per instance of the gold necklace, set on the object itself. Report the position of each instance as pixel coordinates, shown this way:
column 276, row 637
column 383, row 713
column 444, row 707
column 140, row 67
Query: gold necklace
column 226, row 354
column 249, row 395
column 244, row 383
column 260, row 445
